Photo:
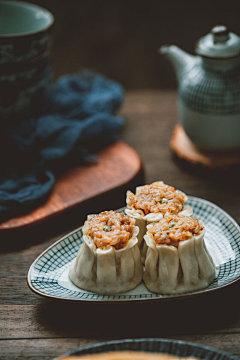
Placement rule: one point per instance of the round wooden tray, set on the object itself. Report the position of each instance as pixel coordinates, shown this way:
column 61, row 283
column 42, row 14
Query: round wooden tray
column 119, row 167
column 185, row 149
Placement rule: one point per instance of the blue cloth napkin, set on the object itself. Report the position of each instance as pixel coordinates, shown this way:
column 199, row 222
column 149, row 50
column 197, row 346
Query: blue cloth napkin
column 77, row 121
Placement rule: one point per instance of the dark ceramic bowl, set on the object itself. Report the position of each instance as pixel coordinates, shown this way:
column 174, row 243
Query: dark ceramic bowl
column 25, row 31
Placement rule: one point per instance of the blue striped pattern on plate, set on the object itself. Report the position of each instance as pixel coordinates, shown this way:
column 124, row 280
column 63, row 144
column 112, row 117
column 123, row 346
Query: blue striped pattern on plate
column 165, row 346
column 48, row 275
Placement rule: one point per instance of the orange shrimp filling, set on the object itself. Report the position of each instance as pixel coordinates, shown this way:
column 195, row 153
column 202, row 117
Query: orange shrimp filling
column 110, row 228
column 156, row 198
column 175, row 228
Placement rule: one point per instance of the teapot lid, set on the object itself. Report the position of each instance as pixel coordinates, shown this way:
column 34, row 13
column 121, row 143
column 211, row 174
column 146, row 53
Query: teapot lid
column 219, row 43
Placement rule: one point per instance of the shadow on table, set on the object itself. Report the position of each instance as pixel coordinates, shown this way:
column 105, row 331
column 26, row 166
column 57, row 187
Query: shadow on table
column 203, row 313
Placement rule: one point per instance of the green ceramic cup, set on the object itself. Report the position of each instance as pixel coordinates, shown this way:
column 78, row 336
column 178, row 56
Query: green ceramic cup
column 25, row 31
column 25, row 59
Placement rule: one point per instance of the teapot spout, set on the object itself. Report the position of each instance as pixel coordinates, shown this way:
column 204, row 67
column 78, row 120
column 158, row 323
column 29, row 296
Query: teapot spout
column 179, row 58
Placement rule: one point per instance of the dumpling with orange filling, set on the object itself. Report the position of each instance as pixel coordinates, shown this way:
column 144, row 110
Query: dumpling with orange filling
column 177, row 259
column 108, row 261
column 151, row 203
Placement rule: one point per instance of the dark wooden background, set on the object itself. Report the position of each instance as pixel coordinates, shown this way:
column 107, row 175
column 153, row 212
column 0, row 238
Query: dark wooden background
column 120, row 38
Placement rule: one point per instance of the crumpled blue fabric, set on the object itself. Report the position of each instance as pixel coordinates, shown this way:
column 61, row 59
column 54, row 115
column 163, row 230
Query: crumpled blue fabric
column 78, row 120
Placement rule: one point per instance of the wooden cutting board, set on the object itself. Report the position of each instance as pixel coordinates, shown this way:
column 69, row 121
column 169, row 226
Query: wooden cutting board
column 119, row 166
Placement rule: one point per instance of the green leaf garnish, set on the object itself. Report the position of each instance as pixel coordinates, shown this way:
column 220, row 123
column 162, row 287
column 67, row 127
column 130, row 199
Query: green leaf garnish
column 106, row 228
column 172, row 223
column 164, row 201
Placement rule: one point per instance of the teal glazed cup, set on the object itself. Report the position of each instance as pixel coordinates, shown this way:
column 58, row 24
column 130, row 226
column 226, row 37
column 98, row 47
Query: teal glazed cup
column 26, row 38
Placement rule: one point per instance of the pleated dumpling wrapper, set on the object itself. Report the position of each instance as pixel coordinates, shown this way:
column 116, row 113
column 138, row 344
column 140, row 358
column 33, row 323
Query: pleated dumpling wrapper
column 108, row 261
column 177, row 259
column 151, row 203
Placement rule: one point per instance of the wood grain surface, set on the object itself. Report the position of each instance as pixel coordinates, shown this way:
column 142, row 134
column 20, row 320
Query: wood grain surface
column 32, row 327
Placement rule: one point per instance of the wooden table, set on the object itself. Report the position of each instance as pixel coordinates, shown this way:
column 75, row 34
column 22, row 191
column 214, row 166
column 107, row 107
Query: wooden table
column 32, row 327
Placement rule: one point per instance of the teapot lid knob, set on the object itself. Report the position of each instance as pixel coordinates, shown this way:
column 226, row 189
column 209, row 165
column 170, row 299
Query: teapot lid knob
column 220, row 34
column 219, row 43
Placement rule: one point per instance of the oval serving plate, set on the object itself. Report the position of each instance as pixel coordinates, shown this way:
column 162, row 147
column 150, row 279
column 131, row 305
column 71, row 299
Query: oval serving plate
column 48, row 275
column 163, row 346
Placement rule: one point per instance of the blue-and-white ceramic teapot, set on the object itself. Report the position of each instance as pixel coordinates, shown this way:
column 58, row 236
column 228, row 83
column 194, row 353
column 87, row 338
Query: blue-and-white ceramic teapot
column 209, row 89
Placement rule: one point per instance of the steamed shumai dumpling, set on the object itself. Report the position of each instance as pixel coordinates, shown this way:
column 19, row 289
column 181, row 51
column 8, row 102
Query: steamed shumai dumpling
column 151, row 203
column 108, row 261
column 177, row 260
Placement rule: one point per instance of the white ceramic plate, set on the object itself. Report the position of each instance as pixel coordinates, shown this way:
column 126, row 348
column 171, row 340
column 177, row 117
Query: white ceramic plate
column 48, row 275
column 164, row 346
